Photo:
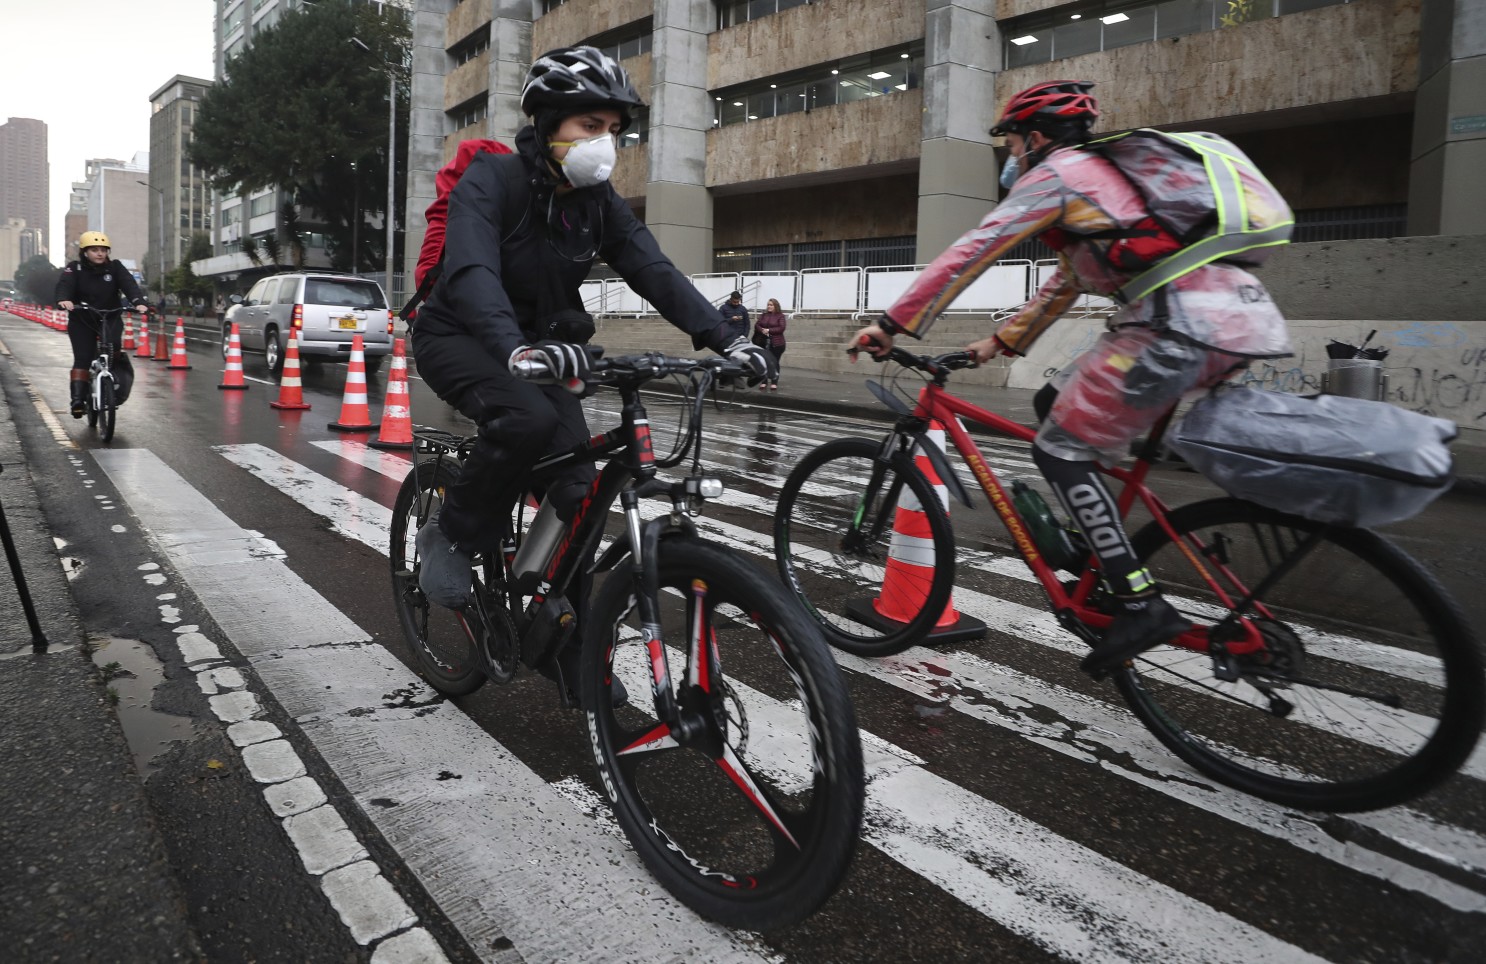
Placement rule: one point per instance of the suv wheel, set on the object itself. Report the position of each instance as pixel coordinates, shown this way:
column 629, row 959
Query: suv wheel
column 273, row 350
column 374, row 363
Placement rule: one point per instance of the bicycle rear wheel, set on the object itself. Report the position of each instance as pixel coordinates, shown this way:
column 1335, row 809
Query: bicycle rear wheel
column 446, row 644
column 1372, row 691
column 834, row 529
column 753, row 817
column 109, row 410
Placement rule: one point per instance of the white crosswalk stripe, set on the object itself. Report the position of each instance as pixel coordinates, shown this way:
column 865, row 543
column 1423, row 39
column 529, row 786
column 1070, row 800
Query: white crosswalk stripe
column 1014, row 701
column 1073, row 901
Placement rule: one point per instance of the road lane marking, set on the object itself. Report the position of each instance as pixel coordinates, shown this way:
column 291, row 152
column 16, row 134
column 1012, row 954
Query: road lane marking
column 496, row 872
column 1115, row 733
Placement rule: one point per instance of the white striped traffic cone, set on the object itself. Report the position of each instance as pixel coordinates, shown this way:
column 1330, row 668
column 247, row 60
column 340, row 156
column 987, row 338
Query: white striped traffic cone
column 291, row 390
column 178, row 360
column 397, row 414
column 355, row 416
column 910, row 564
column 232, row 375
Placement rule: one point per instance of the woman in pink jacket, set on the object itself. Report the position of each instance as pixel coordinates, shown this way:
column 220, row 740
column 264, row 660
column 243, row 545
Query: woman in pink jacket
column 768, row 332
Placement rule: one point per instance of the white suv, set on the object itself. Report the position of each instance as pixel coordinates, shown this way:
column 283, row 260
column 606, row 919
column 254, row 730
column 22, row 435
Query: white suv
column 326, row 308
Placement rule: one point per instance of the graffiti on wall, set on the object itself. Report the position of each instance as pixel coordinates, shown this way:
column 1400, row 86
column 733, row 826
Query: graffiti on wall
column 1457, row 393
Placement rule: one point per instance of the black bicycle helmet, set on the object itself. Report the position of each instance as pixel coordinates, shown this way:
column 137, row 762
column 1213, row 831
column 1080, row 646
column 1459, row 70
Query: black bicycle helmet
column 564, row 81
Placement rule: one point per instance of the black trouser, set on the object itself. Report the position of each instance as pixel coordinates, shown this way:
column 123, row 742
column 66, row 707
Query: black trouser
column 778, row 352
column 518, row 422
column 83, row 329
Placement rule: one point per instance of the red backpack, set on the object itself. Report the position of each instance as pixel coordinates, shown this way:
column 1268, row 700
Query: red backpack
column 431, row 256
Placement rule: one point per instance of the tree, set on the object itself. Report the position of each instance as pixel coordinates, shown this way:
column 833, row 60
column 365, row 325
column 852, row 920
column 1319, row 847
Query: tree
column 306, row 110
column 37, row 279
column 182, row 281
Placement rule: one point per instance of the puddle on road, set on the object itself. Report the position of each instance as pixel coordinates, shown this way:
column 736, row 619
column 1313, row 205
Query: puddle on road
column 149, row 732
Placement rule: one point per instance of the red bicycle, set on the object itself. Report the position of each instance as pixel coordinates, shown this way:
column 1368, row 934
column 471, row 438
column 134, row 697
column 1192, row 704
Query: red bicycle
column 1325, row 669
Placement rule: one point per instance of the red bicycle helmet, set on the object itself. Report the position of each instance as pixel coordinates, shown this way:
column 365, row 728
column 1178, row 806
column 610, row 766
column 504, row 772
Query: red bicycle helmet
column 1056, row 102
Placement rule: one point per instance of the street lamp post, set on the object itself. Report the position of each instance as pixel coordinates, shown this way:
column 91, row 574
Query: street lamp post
column 160, row 219
column 391, row 160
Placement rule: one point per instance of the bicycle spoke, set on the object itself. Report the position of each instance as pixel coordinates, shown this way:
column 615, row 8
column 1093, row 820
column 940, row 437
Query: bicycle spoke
column 754, row 792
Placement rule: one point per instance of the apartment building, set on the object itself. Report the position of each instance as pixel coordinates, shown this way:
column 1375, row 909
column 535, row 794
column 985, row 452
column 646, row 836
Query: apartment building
column 791, row 134
column 118, row 204
column 181, row 201
column 23, row 179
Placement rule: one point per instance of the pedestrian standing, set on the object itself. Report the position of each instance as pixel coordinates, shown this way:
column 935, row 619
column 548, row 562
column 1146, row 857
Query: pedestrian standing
column 768, row 333
column 735, row 316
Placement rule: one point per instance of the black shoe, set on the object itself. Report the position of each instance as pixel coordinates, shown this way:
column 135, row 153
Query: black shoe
column 79, row 398
column 1134, row 631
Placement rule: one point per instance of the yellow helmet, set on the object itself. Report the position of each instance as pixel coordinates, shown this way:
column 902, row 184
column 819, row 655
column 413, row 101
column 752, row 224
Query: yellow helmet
column 93, row 239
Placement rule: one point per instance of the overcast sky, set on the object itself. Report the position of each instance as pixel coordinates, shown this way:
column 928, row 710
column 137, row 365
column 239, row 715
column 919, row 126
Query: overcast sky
column 87, row 69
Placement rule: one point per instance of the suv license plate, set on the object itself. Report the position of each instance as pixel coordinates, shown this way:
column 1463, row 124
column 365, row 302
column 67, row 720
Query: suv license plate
column 348, row 323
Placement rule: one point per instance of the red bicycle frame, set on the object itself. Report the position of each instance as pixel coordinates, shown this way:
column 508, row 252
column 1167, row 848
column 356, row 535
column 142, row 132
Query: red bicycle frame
column 936, row 403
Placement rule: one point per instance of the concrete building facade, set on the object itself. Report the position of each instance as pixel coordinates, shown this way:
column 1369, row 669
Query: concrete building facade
column 786, row 134
column 180, row 198
column 118, row 204
column 24, row 178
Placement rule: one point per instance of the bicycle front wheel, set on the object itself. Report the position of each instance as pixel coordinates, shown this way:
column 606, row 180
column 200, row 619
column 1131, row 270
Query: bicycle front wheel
column 1370, row 690
column 749, row 813
column 108, row 410
column 865, row 545
column 445, row 643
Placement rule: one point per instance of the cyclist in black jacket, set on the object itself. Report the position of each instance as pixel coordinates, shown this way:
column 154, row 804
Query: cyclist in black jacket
column 100, row 281
column 524, row 230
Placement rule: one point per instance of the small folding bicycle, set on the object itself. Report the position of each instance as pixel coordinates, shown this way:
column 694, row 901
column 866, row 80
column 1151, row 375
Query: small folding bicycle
column 1326, row 668
column 739, row 780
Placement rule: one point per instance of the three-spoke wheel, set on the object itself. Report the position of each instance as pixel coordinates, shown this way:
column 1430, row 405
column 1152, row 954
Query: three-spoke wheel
column 749, row 808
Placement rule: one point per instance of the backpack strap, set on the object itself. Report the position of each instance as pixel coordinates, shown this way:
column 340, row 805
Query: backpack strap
column 1230, row 235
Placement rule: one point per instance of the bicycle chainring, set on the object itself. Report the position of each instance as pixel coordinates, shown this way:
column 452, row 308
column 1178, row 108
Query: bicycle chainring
column 1281, row 659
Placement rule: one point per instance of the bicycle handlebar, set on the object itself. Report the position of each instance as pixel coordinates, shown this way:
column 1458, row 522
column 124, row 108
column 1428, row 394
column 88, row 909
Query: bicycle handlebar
column 936, row 365
column 640, row 368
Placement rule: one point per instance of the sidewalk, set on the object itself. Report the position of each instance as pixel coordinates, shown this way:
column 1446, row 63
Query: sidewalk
column 848, row 395
column 83, row 874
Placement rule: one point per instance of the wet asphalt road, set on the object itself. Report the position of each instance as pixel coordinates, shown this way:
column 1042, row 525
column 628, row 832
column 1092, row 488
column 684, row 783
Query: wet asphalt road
column 1266, row 883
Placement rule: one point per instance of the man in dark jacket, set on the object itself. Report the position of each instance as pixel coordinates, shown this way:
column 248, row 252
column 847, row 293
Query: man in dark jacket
column 523, row 232
column 103, row 283
column 735, row 315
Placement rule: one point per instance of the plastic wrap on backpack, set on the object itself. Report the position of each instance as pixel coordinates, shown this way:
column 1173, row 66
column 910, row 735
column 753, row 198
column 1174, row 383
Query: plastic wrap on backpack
column 1345, row 461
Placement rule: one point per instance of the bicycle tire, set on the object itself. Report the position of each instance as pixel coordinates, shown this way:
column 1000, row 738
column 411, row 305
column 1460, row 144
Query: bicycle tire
column 1355, row 611
column 693, row 823
column 109, row 412
column 838, row 582
column 446, row 656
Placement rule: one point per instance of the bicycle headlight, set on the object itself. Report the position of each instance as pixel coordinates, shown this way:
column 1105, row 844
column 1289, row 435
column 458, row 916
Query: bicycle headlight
column 704, row 488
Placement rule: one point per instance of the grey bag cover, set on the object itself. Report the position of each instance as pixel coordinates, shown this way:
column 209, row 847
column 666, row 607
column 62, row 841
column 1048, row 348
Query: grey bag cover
column 1345, row 461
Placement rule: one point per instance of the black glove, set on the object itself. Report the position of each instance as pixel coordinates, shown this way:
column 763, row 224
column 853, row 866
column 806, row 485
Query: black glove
column 566, row 364
column 758, row 361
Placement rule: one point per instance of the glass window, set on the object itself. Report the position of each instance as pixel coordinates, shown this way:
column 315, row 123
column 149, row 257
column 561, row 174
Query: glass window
column 788, row 100
column 1138, row 26
column 761, row 105
column 1031, row 47
column 731, row 110
column 1177, row 18
column 1076, row 37
column 288, row 288
column 342, row 292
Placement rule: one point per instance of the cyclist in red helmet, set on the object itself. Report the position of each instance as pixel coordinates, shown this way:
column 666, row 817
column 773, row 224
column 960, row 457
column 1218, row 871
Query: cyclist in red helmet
column 1189, row 333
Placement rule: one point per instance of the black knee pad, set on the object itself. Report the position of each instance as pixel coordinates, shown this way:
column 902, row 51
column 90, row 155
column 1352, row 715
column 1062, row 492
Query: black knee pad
column 1042, row 402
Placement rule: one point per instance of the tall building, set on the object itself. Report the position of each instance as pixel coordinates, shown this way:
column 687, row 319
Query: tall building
column 75, row 222
column 787, row 134
column 180, row 198
column 118, row 204
column 23, row 176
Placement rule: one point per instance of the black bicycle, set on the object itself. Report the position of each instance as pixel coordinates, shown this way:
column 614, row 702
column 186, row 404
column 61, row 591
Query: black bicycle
column 739, row 781
column 103, row 386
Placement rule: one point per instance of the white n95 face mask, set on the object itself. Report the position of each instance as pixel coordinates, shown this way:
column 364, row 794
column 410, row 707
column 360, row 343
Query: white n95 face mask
column 588, row 162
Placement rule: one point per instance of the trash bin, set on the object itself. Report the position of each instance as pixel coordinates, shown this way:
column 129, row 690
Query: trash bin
column 1355, row 371
column 1355, row 378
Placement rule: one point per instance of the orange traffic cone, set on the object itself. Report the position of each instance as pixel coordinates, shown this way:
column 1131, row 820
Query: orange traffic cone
column 910, row 564
column 178, row 360
column 397, row 415
column 143, row 351
column 162, row 341
column 291, row 392
column 232, row 375
column 128, row 344
column 355, row 416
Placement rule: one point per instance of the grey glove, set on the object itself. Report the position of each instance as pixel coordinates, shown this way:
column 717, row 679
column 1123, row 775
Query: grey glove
column 758, row 361
column 566, row 364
